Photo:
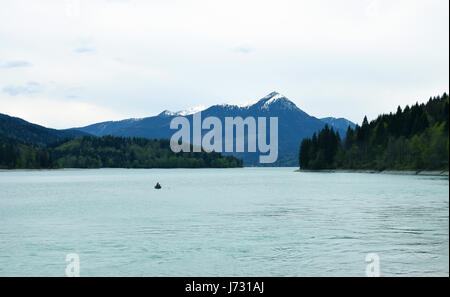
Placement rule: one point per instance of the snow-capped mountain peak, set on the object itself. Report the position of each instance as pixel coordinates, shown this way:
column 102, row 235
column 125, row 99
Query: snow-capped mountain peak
column 191, row 110
column 275, row 97
column 272, row 100
column 186, row 112
column 167, row 113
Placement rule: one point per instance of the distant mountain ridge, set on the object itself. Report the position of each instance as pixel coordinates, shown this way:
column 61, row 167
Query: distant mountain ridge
column 26, row 132
column 294, row 124
column 339, row 124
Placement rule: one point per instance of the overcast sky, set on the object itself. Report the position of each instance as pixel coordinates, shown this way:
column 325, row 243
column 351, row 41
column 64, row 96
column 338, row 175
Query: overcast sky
column 66, row 63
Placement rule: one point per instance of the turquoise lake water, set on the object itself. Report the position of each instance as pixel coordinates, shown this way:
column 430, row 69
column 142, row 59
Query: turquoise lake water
column 222, row 222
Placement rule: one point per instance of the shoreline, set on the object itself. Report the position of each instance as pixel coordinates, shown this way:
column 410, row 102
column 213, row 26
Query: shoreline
column 112, row 168
column 393, row 172
column 367, row 171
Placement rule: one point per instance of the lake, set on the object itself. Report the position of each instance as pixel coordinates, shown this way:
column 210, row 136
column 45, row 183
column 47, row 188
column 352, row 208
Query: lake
column 222, row 222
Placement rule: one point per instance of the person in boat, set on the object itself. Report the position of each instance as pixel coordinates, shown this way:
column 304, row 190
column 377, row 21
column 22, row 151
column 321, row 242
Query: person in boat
column 158, row 186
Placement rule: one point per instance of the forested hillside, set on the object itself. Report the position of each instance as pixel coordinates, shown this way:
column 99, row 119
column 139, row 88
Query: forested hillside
column 23, row 131
column 413, row 138
column 107, row 151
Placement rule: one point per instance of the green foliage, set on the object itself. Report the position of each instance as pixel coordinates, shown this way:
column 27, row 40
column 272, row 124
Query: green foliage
column 414, row 138
column 319, row 152
column 107, row 151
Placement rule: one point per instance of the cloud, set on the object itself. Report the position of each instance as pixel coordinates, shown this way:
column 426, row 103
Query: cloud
column 16, row 64
column 73, row 92
column 84, row 50
column 243, row 49
column 343, row 58
column 58, row 114
column 28, row 89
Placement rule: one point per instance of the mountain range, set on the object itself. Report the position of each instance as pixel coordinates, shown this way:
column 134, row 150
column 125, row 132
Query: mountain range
column 293, row 125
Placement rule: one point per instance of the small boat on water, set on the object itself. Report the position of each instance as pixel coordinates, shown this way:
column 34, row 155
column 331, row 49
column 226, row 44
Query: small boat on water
column 158, row 186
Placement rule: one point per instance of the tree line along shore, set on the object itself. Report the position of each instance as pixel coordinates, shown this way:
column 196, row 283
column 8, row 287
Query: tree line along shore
column 414, row 139
column 393, row 172
column 106, row 152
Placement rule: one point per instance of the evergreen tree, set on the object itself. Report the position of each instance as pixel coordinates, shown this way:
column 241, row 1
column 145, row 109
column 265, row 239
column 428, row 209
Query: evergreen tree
column 414, row 138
